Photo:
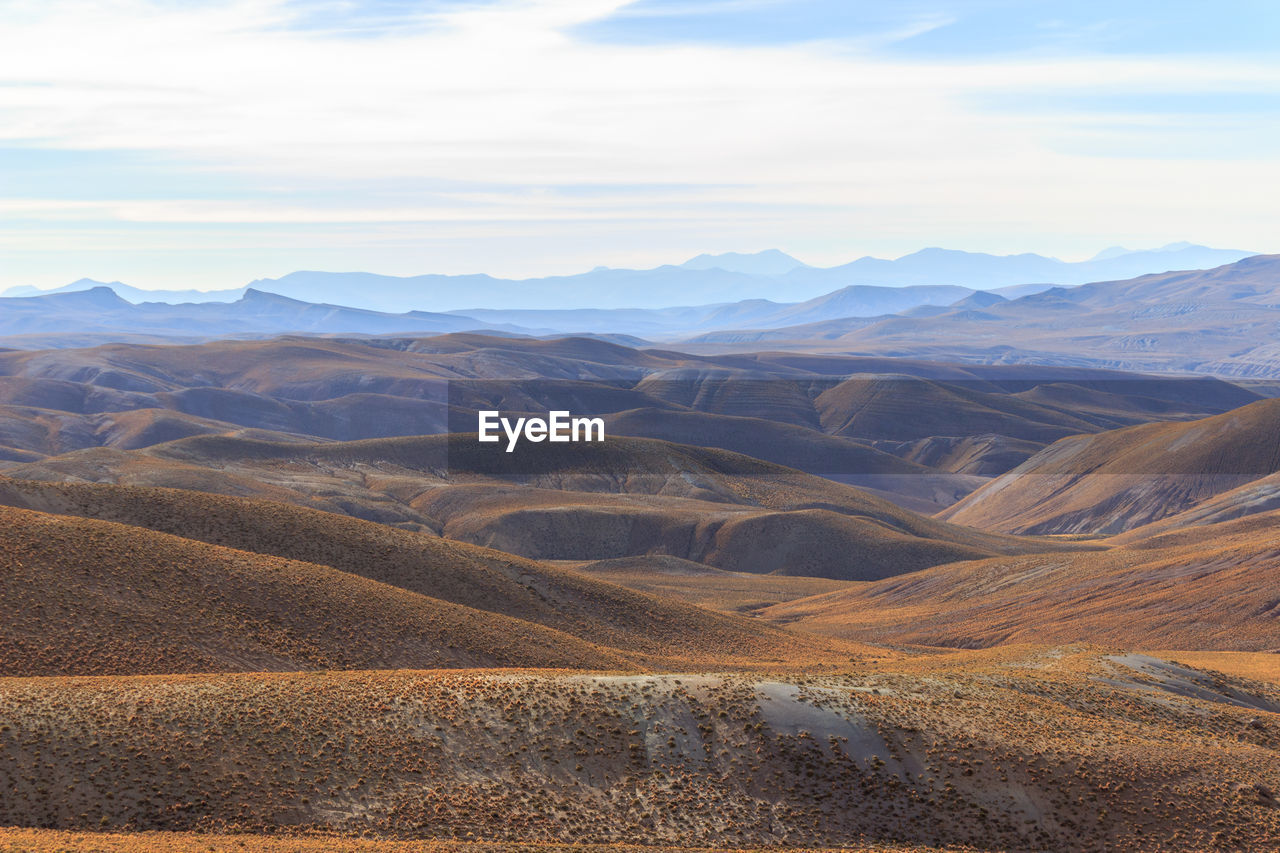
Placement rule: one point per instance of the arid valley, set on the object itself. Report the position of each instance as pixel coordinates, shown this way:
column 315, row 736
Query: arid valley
column 272, row 594
column 639, row 426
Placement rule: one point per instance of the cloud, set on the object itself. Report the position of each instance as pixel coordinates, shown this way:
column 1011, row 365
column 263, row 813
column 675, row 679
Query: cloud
column 507, row 117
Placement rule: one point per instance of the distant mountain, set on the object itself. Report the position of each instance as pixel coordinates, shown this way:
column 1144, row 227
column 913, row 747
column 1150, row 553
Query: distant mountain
column 867, row 301
column 1219, row 321
column 100, row 311
column 598, row 289
column 1117, row 251
column 1016, row 291
column 852, row 301
column 987, row 272
column 135, row 295
column 707, row 280
column 729, row 278
column 980, row 299
column 768, row 262
column 1194, row 321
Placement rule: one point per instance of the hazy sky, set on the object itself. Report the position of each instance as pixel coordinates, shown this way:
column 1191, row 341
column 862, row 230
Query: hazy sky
column 178, row 143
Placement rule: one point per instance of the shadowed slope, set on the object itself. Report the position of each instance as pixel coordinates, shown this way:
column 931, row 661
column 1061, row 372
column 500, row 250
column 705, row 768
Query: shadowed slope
column 704, row 586
column 1257, row 498
column 784, row 444
column 987, row 455
column 901, row 480
column 330, row 388
column 906, row 408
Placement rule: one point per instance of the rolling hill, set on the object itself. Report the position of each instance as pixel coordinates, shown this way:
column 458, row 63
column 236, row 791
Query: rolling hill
column 1113, row 481
column 623, row 497
column 891, row 475
column 838, row 417
column 91, row 598
column 187, row 539
column 1213, row 587
column 247, row 592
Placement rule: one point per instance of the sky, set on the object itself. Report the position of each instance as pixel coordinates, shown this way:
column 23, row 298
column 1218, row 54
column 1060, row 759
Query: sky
column 206, row 143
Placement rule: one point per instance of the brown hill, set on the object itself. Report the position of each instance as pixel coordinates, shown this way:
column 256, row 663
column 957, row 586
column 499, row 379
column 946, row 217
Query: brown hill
column 1022, row 749
column 738, row 393
column 902, row 480
column 68, row 841
column 698, row 583
column 795, row 447
column 986, row 455
column 905, row 408
column 33, row 433
column 1171, row 533
column 1117, row 480
column 36, row 431
column 481, row 581
column 79, row 397
column 1259, row 497
column 801, row 542
column 89, row 597
column 350, row 390
column 623, row 497
column 1207, row 588
column 324, row 369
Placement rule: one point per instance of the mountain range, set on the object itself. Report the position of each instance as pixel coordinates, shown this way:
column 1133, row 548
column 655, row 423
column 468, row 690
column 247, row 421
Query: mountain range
column 1219, row 321
column 1198, row 321
column 703, row 280
column 100, row 314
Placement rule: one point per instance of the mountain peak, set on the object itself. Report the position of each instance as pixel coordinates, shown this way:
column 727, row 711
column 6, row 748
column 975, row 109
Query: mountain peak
column 263, row 297
column 89, row 284
column 1179, row 246
column 100, row 296
column 980, row 299
column 935, row 251
column 768, row 262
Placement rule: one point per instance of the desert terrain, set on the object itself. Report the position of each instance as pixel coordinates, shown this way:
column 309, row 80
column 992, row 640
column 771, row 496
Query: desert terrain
column 639, row 426
column 273, row 595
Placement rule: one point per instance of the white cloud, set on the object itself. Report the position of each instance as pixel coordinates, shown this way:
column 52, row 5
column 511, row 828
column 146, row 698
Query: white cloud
column 789, row 141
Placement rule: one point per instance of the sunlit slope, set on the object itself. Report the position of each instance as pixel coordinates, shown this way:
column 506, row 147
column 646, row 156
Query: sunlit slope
column 1113, row 481
column 128, row 395
column 88, row 597
column 1216, row 588
column 1005, row 750
column 21, row 840
column 623, row 497
column 407, row 566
